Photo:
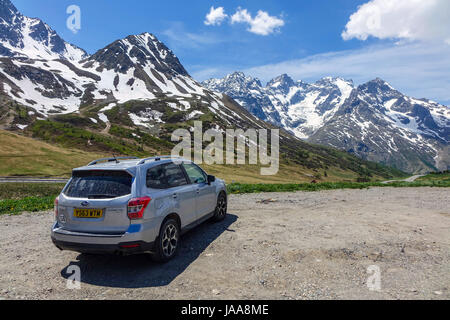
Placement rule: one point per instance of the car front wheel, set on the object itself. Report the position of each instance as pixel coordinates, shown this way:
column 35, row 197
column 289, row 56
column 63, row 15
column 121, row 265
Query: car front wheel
column 221, row 208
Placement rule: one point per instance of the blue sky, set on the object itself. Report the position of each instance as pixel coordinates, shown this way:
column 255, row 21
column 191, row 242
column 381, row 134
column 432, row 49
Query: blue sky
column 308, row 45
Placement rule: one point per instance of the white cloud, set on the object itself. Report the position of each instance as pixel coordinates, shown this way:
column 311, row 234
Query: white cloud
column 215, row 17
column 401, row 19
column 415, row 69
column 241, row 15
column 263, row 24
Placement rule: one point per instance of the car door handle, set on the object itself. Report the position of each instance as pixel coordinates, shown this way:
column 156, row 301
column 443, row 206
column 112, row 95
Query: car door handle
column 175, row 196
column 198, row 191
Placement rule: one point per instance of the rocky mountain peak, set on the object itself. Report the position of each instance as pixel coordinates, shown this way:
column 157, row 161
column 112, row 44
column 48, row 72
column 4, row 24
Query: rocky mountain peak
column 282, row 83
column 334, row 82
column 378, row 91
column 373, row 120
column 21, row 36
column 236, row 75
column 8, row 11
column 234, row 83
column 377, row 86
column 138, row 50
column 241, row 78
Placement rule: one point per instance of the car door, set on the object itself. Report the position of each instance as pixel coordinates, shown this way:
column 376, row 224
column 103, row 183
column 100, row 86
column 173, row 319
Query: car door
column 174, row 194
column 206, row 193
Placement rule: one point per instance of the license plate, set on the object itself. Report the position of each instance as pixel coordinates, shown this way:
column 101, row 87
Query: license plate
column 88, row 213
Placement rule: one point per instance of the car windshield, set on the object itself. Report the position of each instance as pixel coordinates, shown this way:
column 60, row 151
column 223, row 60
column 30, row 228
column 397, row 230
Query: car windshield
column 99, row 184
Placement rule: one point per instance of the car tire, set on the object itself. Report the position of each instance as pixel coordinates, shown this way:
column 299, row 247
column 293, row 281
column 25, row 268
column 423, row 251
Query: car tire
column 168, row 241
column 221, row 208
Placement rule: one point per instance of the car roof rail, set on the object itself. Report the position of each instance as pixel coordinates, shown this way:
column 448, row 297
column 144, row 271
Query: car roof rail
column 111, row 160
column 157, row 158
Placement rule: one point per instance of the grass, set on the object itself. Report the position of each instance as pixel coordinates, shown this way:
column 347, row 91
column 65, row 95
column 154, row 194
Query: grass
column 438, row 176
column 288, row 173
column 238, row 188
column 69, row 136
column 21, row 197
column 16, row 198
column 47, row 159
column 17, row 191
column 29, row 204
column 23, row 156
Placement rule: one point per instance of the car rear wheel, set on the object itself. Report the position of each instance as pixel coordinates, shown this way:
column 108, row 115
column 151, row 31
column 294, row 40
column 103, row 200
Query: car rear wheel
column 221, row 208
column 168, row 242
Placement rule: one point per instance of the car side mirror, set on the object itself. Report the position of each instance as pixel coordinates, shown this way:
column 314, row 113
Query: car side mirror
column 211, row 179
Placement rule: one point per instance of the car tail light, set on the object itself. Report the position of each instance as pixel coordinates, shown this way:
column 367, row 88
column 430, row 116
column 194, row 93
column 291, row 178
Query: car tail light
column 136, row 207
column 56, row 207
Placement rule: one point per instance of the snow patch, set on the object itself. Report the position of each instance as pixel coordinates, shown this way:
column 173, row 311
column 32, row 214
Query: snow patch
column 193, row 115
column 22, row 126
column 103, row 117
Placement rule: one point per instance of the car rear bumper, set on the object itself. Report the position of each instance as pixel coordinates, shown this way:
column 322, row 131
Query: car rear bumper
column 126, row 248
column 131, row 242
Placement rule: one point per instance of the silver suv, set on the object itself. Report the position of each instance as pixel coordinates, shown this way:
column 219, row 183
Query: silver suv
column 129, row 205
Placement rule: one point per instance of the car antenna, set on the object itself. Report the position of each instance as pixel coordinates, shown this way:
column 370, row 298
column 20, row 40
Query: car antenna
column 115, row 158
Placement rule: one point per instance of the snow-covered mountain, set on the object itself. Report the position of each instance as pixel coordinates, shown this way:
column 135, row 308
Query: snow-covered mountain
column 41, row 71
column 138, row 67
column 128, row 98
column 299, row 107
column 22, row 36
column 374, row 121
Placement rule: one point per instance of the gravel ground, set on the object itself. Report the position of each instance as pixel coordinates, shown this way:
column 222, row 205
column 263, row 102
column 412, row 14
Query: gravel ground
column 296, row 246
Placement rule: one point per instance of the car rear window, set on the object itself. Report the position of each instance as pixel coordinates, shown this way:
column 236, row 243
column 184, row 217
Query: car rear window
column 99, row 184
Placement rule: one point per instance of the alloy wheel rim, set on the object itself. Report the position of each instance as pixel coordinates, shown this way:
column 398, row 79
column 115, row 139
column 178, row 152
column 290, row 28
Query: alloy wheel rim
column 222, row 207
column 170, row 240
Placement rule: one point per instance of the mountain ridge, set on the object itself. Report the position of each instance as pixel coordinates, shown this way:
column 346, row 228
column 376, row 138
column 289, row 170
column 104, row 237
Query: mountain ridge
column 21, row 36
column 129, row 97
column 335, row 112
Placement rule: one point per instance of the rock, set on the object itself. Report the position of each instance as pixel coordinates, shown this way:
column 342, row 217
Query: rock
column 216, row 292
column 438, row 293
column 267, row 201
column 376, row 256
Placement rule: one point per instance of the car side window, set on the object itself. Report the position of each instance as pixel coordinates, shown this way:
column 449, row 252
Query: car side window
column 156, row 178
column 175, row 176
column 165, row 177
column 195, row 174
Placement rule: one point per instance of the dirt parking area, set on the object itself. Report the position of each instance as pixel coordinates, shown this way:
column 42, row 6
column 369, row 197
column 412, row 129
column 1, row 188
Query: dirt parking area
column 295, row 246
